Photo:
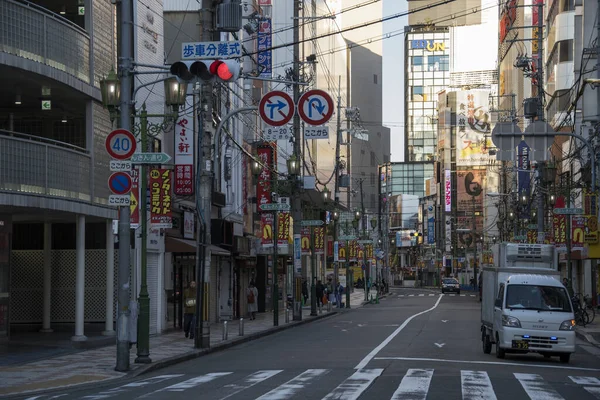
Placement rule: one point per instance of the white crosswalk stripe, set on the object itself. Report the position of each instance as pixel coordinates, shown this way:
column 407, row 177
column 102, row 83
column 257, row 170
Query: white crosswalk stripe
column 414, row 385
column 590, row 384
column 293, row 386
column 536, row 388
column 279, row 384
column 355, row 385
column 476, row 385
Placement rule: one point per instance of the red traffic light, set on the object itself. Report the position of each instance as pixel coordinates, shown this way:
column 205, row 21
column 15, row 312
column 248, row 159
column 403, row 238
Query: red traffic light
column 225, row 70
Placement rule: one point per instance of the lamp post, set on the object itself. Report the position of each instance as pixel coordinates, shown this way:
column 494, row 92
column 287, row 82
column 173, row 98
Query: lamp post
column 175, row 94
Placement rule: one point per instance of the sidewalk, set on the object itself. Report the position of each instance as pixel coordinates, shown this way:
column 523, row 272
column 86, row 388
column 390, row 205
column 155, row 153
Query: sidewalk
column 97, row 365
column 589, row 333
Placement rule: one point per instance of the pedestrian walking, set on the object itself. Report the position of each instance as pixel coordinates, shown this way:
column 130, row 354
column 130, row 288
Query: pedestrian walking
column 305, row 291
column 189, row 312
column 252, row 297
column 338, row 294
column 320, row 289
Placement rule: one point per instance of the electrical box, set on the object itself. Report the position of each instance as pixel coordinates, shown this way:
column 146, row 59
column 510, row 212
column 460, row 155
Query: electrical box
column 229, row 16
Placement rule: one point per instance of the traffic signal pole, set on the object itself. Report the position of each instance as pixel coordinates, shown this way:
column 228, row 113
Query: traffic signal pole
column 125, row 72
column 296, row 200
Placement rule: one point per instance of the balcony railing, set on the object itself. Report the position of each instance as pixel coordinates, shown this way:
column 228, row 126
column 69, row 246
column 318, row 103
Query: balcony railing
column 38, row 166
column 34, row 33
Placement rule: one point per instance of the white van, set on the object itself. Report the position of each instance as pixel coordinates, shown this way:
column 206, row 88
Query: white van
column 533, row 313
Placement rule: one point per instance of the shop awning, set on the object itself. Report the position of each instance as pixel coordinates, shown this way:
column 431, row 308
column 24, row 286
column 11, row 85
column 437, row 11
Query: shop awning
column 176, row 245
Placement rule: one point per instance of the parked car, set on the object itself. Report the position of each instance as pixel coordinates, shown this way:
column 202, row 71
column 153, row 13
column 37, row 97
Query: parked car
column 450, row 285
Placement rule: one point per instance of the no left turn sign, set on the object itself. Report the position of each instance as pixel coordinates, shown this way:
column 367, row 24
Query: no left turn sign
column 276, row 108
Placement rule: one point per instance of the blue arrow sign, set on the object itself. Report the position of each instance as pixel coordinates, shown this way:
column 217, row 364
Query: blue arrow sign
column 279, row 105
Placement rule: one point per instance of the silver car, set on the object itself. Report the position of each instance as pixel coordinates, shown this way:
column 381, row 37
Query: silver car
column 450, row 285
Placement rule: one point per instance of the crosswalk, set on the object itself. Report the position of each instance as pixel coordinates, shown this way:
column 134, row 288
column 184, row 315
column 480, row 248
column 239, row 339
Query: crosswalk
column 326, row 384
column 433, row 295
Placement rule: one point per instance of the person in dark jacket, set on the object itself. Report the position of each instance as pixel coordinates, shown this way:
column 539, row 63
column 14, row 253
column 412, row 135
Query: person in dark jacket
column 189, row 311
column 320, row 291
column 305, row 291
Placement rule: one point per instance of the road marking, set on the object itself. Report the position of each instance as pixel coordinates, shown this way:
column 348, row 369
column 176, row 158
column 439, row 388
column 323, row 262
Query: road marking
column 431, row 294
column 411, row 295
column 377, row 349
column 425, row 359
column 392, row 325
column 355, row 385
column 248, row 382
column 344, row 330
column 472, row 295
column 400, row 295
column 421, row 295
column 452, row 295
column 154, row 379
column 191, row 383
column 440, row 345
column 462, row 295
column 361, row 325
column 537, row 388
column 476, row 385
column 444, row 320
column 591, row 384
column 293, row 386
column 414, row 385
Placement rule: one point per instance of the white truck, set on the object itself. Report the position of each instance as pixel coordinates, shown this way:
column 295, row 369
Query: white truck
column 525, row 308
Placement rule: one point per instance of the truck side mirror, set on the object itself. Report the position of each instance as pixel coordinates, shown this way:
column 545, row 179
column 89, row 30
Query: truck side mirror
column 498, row 303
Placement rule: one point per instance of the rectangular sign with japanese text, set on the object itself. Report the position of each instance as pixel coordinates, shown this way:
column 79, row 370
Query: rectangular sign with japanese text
column 208, row 50
column 134, row 201
column 305, row 240
column 263, row 187
column 184, row 156
column 266, row 225
column 265, row 42
column 448, row 190
column 319, row 240
column 283, row 229
column 161, row 185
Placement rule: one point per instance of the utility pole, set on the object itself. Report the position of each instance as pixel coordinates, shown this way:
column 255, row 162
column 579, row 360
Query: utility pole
column 204, row 191
column 336, row 189
column 296, row 200
column 540, row 95
column 125, row 72
column 363, row 216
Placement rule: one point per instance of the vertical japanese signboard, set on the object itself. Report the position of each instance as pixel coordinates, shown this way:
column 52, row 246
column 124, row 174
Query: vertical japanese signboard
column 448, row 190
column 184, row 156
column 160, row 198
column 559, row 225
column 265, row 42
column 283, row 229
column 263, row 188
column 134, row 202
column 266, row 224
column 342, row 245
column 305, row 240
column 319, row 240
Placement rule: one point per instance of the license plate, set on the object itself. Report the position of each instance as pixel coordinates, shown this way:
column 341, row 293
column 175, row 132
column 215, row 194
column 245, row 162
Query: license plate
column 520, row 344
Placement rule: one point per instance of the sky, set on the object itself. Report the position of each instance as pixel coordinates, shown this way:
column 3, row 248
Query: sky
column 393, row 76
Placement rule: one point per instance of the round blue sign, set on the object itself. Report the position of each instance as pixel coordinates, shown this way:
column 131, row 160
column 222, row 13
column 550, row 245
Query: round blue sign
column 119, row 183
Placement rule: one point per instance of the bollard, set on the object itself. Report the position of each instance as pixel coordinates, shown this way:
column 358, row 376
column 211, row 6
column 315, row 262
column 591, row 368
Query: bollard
column 241, row 326
column 287, row 315
column 225, row 333
column 329, row 307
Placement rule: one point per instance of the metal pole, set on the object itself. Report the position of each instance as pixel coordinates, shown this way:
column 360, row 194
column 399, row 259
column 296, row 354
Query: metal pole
column 313, row 265
column 336, row 189
column 125, row 73
column 474, row 243
column 143, row 333
column 349, row 279
column 296, row 200
column 275, row 269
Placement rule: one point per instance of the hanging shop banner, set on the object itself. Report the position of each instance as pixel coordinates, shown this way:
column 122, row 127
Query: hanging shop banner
column 184, row 156
column 431, row 230
column 265, row 42
column 469, row 187
column 189, row 225
column 590, row 210
column 361, row 253
column 160, row 198
column 473, row 139
column 353, row 250
column 577, row 231
column 559, row 225
column 448, row 190
column 320, row 240
column 342, row 249
column 134, row 202
column 263, row 187
column 283, row 229
column 266, row 227
column 305, row 240
column 369, row 251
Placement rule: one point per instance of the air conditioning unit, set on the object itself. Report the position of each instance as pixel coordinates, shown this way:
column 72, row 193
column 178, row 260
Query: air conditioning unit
column 229, row 16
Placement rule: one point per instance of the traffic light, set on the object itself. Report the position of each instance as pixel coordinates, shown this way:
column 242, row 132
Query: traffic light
column 205, row 70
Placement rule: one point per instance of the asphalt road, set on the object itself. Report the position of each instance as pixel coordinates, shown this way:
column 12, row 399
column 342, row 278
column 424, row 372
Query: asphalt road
column 415, row 344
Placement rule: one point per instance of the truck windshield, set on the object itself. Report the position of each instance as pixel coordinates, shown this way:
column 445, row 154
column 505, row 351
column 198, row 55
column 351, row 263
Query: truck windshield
column 541, row 298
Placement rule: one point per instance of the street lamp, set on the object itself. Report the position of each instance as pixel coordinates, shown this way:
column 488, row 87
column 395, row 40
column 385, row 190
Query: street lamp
column 293, row 166
column 373, row 223
column 326, row 194
column 111, row 98
column 255, row 167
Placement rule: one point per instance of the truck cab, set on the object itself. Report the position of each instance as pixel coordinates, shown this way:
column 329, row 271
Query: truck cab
column 533, row 313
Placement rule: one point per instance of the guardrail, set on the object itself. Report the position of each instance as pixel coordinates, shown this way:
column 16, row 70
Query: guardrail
column 38, row 166
column 32, row 32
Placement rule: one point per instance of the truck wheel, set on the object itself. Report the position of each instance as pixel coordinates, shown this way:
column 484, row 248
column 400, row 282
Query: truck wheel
column 500, row 353
column 565, row 357
column 487, row 344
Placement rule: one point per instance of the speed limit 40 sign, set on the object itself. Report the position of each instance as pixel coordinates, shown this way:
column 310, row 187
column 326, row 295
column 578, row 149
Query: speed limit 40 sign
column 120, row 144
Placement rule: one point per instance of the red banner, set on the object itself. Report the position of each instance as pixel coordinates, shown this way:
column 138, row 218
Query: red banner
column 305, row 240
column 266, row 227
column 283, row 229
column 263, row 187
column 160, row 198
column 559, row 224
column 134, row 202
column 184, row 156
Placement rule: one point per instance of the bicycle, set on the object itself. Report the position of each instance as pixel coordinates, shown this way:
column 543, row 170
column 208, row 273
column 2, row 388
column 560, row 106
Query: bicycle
column 581, row 316
column 586, row 302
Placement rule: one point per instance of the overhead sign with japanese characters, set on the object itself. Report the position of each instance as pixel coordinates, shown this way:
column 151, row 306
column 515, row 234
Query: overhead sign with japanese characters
column 209, row 50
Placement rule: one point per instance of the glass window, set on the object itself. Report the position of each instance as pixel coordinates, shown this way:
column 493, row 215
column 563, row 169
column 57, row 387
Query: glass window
column 438, row 63
column 541, row 298
column 417, row 60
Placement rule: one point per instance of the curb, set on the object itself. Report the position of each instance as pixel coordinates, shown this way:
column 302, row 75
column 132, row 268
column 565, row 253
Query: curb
column 587, row 337
column 174, row 360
